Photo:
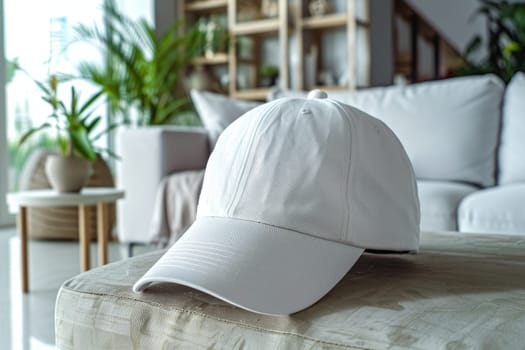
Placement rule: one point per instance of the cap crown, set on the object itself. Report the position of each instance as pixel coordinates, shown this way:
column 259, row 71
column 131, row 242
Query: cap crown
column 318, row 167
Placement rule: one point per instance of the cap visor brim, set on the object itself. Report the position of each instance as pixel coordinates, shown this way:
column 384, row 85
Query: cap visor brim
column 258, row 267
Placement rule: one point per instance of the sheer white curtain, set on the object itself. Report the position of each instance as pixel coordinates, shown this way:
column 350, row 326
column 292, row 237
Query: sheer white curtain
column 4, row 217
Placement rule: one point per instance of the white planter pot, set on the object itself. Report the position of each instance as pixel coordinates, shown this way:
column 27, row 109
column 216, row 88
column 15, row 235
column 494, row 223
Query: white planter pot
column 67, row 174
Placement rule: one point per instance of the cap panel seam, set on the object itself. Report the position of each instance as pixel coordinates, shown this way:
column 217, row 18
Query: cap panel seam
column 346, row 117
column 237, row 181
column 241, row 182
column 283, row 228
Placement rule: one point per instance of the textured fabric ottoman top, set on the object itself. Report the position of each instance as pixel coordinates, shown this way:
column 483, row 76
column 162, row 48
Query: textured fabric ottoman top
column 462, row 291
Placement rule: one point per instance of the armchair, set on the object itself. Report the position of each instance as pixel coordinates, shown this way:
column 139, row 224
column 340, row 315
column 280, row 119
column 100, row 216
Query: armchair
column 149, row 155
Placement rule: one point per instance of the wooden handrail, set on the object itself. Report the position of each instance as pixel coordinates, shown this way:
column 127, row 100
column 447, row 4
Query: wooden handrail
column 421, row 27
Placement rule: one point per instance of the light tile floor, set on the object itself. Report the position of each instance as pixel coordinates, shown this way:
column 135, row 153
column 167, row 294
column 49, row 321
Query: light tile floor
column 27, row 321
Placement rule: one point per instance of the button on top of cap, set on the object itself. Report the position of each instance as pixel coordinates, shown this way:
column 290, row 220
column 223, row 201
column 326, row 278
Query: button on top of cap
column 317, row 94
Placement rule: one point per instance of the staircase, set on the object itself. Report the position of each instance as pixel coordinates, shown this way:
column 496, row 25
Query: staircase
column 420, row 50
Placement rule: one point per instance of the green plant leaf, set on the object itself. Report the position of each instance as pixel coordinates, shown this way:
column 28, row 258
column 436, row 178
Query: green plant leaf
column 82, row 144
column 106, row 131
column 89, row 102
column 167, row 110
column 140, row 69
column 107, row 151
column 473, row 45
column 63, row 144
column 12, row 66
column 91, row 125
column 505, row 44
column 25, row 136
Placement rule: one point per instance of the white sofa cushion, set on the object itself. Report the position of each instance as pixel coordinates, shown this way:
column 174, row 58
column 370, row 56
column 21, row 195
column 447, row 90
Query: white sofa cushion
column 218, row 111
column 449, row 128
column 494, row 210
column 511, row 164
column 439, row 202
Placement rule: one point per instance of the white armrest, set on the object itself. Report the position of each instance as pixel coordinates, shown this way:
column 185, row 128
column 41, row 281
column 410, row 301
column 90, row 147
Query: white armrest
column 148, row 155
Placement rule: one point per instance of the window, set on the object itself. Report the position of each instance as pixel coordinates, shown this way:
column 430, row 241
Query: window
column 39, row 37
column 43, row 43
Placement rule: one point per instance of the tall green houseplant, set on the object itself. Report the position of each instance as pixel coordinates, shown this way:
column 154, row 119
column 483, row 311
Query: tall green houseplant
column 505, row 41
column 142, row 71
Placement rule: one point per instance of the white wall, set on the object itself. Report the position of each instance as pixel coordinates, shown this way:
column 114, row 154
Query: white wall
column 381, row 45
column 165, row 15
column 454, row 19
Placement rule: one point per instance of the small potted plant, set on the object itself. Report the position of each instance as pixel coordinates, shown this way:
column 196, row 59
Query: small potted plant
column 69, row 170
column 269, row 74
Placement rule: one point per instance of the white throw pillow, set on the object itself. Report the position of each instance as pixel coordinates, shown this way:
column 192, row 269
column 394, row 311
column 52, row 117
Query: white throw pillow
column 449, row 127
column 511, row 164
column 218, row 111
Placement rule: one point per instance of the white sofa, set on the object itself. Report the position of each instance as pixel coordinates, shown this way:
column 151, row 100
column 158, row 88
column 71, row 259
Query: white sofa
column 464, row 136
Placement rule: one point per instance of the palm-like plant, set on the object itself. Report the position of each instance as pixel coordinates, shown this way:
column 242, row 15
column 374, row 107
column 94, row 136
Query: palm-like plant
column 12, row 67
column 141, row 71
column 505, row 44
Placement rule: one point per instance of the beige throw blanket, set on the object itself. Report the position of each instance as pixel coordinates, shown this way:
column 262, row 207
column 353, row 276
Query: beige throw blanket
column 175, row 206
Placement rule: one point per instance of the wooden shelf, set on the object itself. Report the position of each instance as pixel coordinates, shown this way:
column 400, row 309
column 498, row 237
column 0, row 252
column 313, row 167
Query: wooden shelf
column 252, row 94
column 362, row 23
column 218, row 58
column 205, row 5
column 329, row 88
column 256, row 27
column 247, row 60
column 327, row 21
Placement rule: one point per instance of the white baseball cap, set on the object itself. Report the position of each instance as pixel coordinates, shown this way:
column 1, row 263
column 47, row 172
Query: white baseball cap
column 294, row 192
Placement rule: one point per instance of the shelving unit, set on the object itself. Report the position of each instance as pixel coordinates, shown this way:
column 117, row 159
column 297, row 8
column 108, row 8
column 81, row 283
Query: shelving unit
column 215, row 65
column 204, row 5
column 258, row 41
column 350, row 21
column 257, row 31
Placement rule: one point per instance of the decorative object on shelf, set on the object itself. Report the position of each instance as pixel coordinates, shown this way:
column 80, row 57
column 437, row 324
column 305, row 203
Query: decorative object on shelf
column 243, row 82
column 215, row 36
column 319, row 7
column 245, row 47
column 326, row 78
column 200, row 79
column 343, row 79
column 310, row 67
column 248, row 11
column 141, row 71
column 74, row 124
column 269, row 74
column 270, row 8
column 505, row 42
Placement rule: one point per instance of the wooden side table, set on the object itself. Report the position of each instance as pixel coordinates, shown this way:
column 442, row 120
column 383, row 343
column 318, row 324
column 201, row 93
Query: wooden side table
column 99, row 197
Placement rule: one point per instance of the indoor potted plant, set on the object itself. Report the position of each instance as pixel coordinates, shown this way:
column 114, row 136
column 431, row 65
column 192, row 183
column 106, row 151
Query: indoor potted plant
column 69, row 170
column 505, row 44
column 142, row 71
column 269, row 74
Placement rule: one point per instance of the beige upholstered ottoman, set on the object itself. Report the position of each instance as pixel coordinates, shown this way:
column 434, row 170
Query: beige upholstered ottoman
column 460, row 292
